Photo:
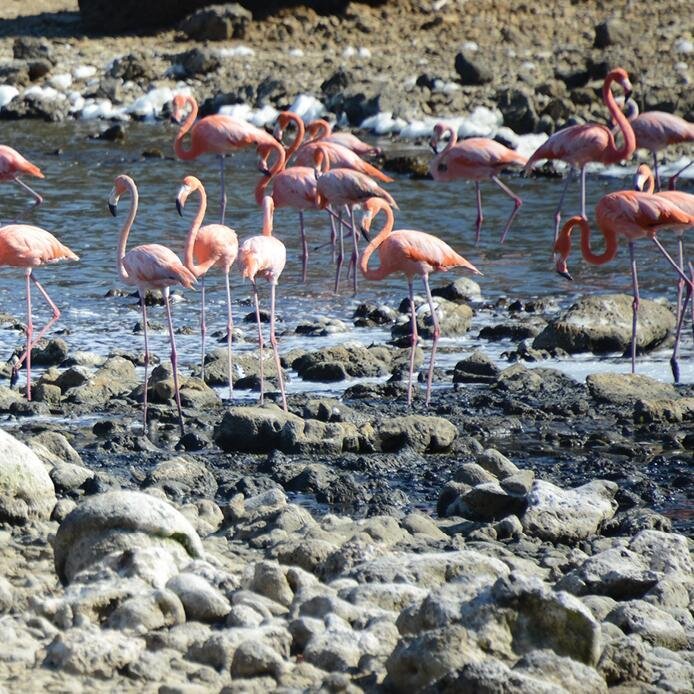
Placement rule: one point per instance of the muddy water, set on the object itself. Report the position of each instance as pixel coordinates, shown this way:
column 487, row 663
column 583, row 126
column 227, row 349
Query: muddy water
column 79, row 175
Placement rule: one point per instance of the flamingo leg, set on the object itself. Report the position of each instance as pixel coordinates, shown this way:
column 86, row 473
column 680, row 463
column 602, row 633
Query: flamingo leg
column 174, row 359
column 480, row 216
column 655, row 171
column 29, row 334
column 260, row 344
column 413, row 340
column 38, row 199
column 583, row 191
column 674, row 360
column 304, row 247
column 355, row 253
column 340, row 253
column 144, row 329
column 634, row 305
column 273, row 342
column 677, row 269
column 560, row 205
column 673, row 179
column 333, row 234
column 680, row 281
column 230, row 330
column 223, row 202
column 437, row 333
column 203, row 327
column 517, row 202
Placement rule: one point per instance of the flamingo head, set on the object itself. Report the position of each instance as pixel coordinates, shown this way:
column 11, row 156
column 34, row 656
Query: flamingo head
column 562, row 246
column 190, row 183
column 621, row 77
column 643, row 179
column 371, row 208
column 177, row 108
column 121, row 184
column 321, row 160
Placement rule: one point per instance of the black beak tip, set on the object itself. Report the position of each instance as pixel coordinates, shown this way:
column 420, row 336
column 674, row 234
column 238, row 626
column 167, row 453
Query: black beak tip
column 179, row 207
column 113, row 209
column 365, row 233
column 566, row 275
column 433, row 148
column 627, row 96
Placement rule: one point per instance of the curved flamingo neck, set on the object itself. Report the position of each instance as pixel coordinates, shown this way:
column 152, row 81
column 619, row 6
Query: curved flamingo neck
column 279, row 165
column 268, row 215
column 629, row 145
column 189, row 260
column 564, row 242
column 125, row 230
column 379, row 272
column 452, row 137
column 300, row 132
column 186, row 153
column 319, row 128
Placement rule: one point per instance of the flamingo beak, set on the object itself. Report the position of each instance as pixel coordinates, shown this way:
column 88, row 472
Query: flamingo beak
column 179, row 206
column 113, row 202
column 278, row 133
column 432, row 144
column 365, row 232
column 562, row 269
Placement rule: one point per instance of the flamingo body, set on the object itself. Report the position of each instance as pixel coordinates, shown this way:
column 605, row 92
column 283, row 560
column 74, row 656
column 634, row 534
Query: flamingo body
column 655, row 130
column 295, row 187
column 476, row 159
column 13, row 164
column 344, row 186
column 216, row 245
column 153, row 266
column 339, row 157
column 321, row 130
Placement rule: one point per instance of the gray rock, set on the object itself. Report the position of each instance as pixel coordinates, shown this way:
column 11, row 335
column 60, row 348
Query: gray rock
column 201, row 601
column 67, row 477
column 454, row 319
column 627, row 389
column 342, row 361
column 653, row 625
column 199, row 61
column 189, row 476
column 26, row 490
column 269, row 579
column 625, row 660
column 217, row 23
column 333, row 650
column 612, row 32
column 252, row 429
column 519, row 483
column 255, row 658
column 491, row 675
column 461, row 289
column 422, row 433
column 74, row 377
column 146, row 612
column 472, row 69
column 476, row 368
column 488, row 502
column 518, row 108
column 116, row 377
column 509, row 527
column 496, row 463
column 6, row 595
column 58, row 446
column 572, row 676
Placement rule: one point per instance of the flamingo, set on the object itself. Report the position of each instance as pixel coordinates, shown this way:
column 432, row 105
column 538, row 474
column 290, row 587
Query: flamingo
column 475, row 159
column 13, row 165
column 150, row 266
column 340, row 187
column 293, row 187
column 412, row 253
column 218, row 134
column 655, row 130
column 321, row 130
column 643, row 181
column 23, row 245
column 633, row 215
column 213, row 245
column 579, row 144
column 265, row 256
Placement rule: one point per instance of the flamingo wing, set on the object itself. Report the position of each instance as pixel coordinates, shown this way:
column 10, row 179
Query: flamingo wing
column 13, row 164
column 215, row 243
column 418, row 246
column 156, row 266
column 656, row 129
column 23, row 245
column 295, row 187
column 576, row 145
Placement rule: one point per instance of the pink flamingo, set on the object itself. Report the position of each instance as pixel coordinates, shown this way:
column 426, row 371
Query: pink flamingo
column 22, row 245
column 218, row 134
column 412, row 253
column 643, row 181
column 266, row 256
column 150, row 266
column 341, row 187
column 13, row 165
column 321, row 130
column 633, row 215
column 475, row 159
column 655, row 130
column 213, row 245
column 293, row 187
column 579, row 144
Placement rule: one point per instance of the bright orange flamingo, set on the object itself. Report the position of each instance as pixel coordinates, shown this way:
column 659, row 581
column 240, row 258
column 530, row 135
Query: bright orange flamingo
column 321, row 130
column 265, row 256
column 475, row 159
column 643, row 180
column 212, row 245
column 13, row 165
column 655, row 130
column 150, row 266
column 218, row 134
column 631, row 214
column 579, row 144
column 412, row 253
column 293, row 187
column 22, row 245
column 341, row 187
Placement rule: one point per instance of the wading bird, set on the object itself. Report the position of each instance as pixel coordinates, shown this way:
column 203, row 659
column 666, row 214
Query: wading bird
column 320, row 130
column 13, row 165
column 150, row 266
column 265, row 256
column 22, row 245
column 412, row 253
column 578, row 145
column 475, row 159
column 212, row 245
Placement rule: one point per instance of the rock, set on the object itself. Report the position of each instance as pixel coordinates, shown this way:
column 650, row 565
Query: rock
column 46, row 393
column 67, row 477
column 612, row 32
column 652, row 624
column 461, row 289
column 30, row 49
column 454, row 319
column 6, row 595
column 563, row 672
column 252, row 429
column 198, row 61
column 333, row 650
column 487, row 502
column 627, row 389
column 421, row 433
column 321, row 327
column 520, row 483
column 55, row 445
column 189, row 477
column 26, row 490
column 491, row 675
column 118, row 521
column 254, row 658
column 568, row 515
column 146, row 612
column 518, row 110
column 625, row 660
column 9, row 397
column 201, row 601
column 269, row 579
column 472, row 69
column 74, row 377
column 116, row 377
column 217, row 23
column 340, row 362
column 664, row 410
column 496, row 463
column 313, row 437
column 49, row 352
column 601, row 324
column 472, row 474
column 132, row 15
column 476, row 368
column 134, row 67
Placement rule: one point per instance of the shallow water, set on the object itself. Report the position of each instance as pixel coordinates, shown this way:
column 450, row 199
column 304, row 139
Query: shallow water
column 79, row 175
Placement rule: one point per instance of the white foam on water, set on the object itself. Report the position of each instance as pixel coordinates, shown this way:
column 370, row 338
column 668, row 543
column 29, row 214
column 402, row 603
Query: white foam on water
column 383, row 124
column 266, row 115
column 76, row 100
column 97, row 108
column 527, row 144
column 44, row 93
column 238, row 111
column 61, row 81
column 7, row 93
column 151, row 104
column 236, row 52
column 83, row 72
column 308, row 107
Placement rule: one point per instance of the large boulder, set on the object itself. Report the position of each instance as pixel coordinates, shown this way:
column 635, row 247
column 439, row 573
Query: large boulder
column 26, row 489
column 108, row 17
column 252, row 429
column 602, row 324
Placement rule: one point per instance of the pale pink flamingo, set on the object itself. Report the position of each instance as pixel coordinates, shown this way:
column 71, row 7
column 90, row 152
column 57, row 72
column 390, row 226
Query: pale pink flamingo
column 293, row 187
column 212, row 245
column 655, row 130
column 578, row 145
column 643, row 181
column 265, row 256
column 475, row 159
column 321, row 130
column 13, row 165
column 218, row 134
column 633, row 215
column 341, row 187
column 412, row 253
column 150, row 266
column 22, row 245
